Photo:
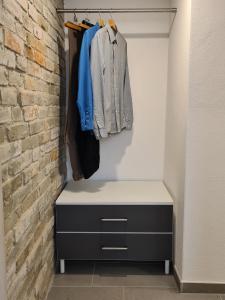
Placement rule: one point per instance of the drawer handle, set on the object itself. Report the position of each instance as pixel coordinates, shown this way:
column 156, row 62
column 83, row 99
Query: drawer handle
column 114, row 248
column 114, row 220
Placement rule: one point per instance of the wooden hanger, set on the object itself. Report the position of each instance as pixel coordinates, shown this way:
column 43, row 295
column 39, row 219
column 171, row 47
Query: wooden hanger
column 85, row 26
column 87, row 22
column 75, row 26
column 112, row 22
column 72, row 26
column 101, row 22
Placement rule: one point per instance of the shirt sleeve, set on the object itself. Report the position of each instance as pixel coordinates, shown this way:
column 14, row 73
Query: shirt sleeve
column 85, row 97
column 128, row 98
column 97, row 74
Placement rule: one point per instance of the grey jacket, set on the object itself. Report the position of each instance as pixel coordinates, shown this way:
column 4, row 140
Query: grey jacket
column 113, row 109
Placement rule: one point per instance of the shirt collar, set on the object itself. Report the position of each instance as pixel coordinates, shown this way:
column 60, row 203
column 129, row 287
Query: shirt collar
column 96, row 26
column 112, row 35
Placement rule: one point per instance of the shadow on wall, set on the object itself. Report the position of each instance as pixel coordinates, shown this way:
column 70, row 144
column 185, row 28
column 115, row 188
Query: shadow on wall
column 119, row 143
column 109, row 164
column 62, row 108
column 92, row 187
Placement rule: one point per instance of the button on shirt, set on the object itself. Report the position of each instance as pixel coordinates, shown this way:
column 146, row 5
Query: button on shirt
column 113, row 109
column 85, row 93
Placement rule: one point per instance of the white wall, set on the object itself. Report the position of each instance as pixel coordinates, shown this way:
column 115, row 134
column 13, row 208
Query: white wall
column 194, row 169
column 195, row 145
column 177, row 101
column 204, row 227
column 138, row 154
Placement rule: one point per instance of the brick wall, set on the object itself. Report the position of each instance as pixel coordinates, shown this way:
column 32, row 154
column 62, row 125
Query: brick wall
column 32, row 117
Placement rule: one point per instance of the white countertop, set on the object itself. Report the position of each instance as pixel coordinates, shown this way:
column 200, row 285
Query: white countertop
column 90, row 192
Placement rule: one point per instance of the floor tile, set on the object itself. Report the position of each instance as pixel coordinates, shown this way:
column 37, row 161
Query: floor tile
column 131, row 274
column 86, row 293
column 163, row 294
column 77, row 274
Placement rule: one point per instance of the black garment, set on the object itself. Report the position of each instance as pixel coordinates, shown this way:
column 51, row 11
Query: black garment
column 86, row 22
column 83, row 146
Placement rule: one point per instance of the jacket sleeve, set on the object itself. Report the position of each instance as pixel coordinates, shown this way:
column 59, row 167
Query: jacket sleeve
column 97, row 74
column 84, row 97
column 128, row 107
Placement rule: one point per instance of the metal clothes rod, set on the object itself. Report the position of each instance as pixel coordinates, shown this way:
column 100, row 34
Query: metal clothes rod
column 118, row 10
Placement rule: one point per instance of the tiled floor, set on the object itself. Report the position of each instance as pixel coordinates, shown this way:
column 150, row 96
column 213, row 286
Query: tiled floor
column 118, row 281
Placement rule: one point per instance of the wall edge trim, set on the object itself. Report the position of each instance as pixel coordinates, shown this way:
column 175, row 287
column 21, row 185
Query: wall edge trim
column 198, row 287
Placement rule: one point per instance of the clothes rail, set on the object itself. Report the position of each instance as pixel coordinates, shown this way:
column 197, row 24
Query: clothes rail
column 117, row 10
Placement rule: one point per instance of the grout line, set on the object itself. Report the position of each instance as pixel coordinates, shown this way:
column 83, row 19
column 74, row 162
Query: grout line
column 86, row 286
column 123, row 293
column 93, row 273
column 116, row 286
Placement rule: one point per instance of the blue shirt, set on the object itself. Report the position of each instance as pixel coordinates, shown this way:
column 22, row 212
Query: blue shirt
column 85, row 93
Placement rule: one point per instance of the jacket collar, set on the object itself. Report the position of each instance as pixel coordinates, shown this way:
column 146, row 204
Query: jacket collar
column 112, row 34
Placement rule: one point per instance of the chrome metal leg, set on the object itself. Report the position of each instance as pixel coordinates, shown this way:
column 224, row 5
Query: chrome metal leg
column 167, row 267
column 62, row 266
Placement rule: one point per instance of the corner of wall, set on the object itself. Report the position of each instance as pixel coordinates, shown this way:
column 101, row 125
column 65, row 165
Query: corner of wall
column 2, row 248
column 176, row 123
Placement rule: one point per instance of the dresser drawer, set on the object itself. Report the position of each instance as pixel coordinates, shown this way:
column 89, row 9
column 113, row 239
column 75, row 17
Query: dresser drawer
column 114, row 218
column 139, row 247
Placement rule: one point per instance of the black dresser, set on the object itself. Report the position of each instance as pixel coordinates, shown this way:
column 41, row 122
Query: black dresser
column 124, row 220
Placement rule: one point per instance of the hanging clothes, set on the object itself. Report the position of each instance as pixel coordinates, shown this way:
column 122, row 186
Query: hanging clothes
column 83, row 146
column 113, row 109
column 85, row 94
